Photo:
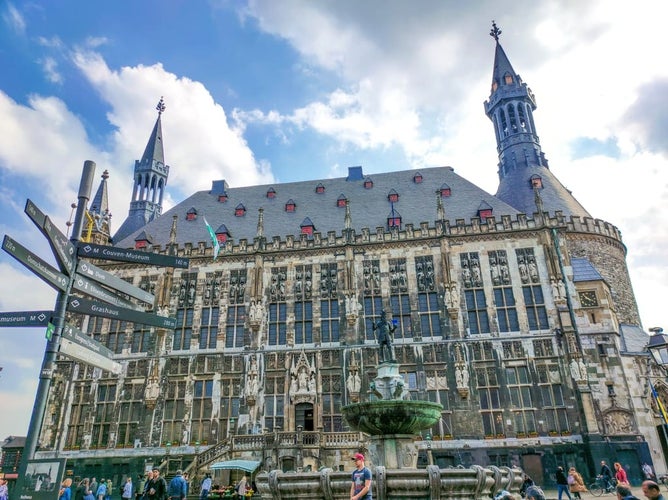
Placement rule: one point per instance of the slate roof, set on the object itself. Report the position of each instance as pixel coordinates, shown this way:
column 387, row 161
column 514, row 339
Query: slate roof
column 516, row 190
column 583, row 270
column 13, row 442
column 634, row 339
column 368, row 207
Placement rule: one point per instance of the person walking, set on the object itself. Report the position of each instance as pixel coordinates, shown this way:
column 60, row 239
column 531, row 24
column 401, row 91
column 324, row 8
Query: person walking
column 241, row 487
column 648, row 471
column 562, row 484
column 360, row 489
column 177, row 489
column 139, row 487
column 82, row 489
column 65, row 492
column 606, row 475
column 620, row 475
column 205, row 488
column 575, row 482
column 157, row 486
column 128, row 489
column 93, row 486
column 101, row 492
column 4, row 490
column 651, row 490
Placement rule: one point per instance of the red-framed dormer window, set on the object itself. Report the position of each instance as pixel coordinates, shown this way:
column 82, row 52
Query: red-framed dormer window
column 393, row 196
column 240, row 210
column 307, row 227
column 394, row 221
column 221, row 237
column 139, row 244
column 271, row 193
column 368, row 183
column 290, row 206
column 320, row 188
column 191, row 214
column 417, row 178
column 484, row 213
column 445, row 191
column 341, row 201
column 222, row 234
column 222, row 198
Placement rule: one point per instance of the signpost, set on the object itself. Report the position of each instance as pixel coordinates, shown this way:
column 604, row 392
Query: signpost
column 84, row 278
column 25, row 318
column 45, row 271
column 92, row 308
column 95, row 273
column 137, row 256
column 76, row 344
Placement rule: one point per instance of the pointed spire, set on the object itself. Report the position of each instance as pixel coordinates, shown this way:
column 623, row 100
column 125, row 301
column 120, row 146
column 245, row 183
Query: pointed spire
column 172, row 236
column 440, row 211
column 348, row 220
column 154, row 150
column 100, row 203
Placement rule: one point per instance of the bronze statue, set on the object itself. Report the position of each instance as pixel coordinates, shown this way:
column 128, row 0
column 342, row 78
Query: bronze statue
column 385, row 338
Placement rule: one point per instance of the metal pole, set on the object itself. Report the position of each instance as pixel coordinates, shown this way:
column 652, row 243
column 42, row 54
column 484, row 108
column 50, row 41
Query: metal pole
column 53, row 345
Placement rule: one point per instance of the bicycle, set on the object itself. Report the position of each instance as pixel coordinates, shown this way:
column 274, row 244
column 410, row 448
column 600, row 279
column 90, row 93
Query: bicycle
column 600, row 486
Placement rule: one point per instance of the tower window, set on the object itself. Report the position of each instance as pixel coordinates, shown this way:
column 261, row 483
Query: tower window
column 240, row 210
column 508, row 78
column 536, row 181
column 341, row 201
column 417, row 178
column 191, row 214
column 290, row 206
column 368, row 183
column 271, row 193
column 320, row 188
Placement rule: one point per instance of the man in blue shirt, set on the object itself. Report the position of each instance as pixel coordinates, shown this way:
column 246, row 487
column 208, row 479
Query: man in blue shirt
column 360, row 489
column 206, row 487
column 177, row 487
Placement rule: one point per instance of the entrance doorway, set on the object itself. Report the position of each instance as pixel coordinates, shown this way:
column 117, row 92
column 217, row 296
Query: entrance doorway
column 304, row 416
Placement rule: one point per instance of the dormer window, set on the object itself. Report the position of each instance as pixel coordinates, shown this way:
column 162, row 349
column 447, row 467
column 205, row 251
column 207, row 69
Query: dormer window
column 240, row 210
column 320, row 188
column 495, row 85
column 290, row 206
column 536, row 182
column 191, row 214
column 307, row 227
column 222, row 234
column 394, row 219
column 222, row 198
column 271, row 193
column 393, row 196
column 445, row 191
column 484, row 210
column 508, row 78
column 341, row 201
column 143, row 240
column 368, row 183
column 417, row 178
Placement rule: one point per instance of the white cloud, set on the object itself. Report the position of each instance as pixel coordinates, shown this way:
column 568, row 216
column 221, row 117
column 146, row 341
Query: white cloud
column 14, row 18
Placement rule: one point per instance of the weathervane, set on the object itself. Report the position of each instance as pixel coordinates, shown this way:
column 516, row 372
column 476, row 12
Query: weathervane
column 161, row 106
column 495, row 31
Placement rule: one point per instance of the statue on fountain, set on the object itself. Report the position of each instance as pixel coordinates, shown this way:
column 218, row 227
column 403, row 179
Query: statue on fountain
column 385, row 331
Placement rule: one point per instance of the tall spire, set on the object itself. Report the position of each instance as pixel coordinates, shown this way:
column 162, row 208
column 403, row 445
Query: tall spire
column 522, row 163
column 150, row 180
column 97, row 227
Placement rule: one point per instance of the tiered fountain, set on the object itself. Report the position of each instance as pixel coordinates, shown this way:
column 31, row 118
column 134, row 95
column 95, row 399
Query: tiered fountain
column 393, row 421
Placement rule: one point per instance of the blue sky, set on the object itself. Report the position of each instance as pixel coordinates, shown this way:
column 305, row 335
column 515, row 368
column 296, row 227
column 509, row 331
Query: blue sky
column 277, row 91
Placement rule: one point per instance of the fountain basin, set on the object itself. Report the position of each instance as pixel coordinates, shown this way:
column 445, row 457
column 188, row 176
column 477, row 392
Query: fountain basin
column 392, row 416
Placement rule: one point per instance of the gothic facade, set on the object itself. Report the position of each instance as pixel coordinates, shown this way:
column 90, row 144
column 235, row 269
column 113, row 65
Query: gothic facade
column 514, row 311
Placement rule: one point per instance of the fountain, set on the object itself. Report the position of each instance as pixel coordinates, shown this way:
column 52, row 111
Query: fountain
column 392, row 420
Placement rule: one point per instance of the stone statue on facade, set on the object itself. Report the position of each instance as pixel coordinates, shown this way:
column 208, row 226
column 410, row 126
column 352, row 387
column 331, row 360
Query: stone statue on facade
column 385, row 338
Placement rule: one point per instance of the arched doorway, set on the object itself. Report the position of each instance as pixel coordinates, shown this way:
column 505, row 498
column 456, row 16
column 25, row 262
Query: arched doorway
column 304, row 416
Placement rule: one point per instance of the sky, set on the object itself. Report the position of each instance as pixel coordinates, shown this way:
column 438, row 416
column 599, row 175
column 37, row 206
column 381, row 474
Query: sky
column 266, row 91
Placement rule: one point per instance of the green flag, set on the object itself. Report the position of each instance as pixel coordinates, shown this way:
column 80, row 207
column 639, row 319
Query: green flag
column 214, row 240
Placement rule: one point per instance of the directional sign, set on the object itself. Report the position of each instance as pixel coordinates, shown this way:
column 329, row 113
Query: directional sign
column 25, row 318
column 137, row 256
column 92, row 308
column 84, row 285
column 80, row 346
column 95, row 273
column 41, row 268
column 61, row 246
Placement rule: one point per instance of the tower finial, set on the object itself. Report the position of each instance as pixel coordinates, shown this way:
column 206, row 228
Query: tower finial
column 161, row 105
column 495, row 32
